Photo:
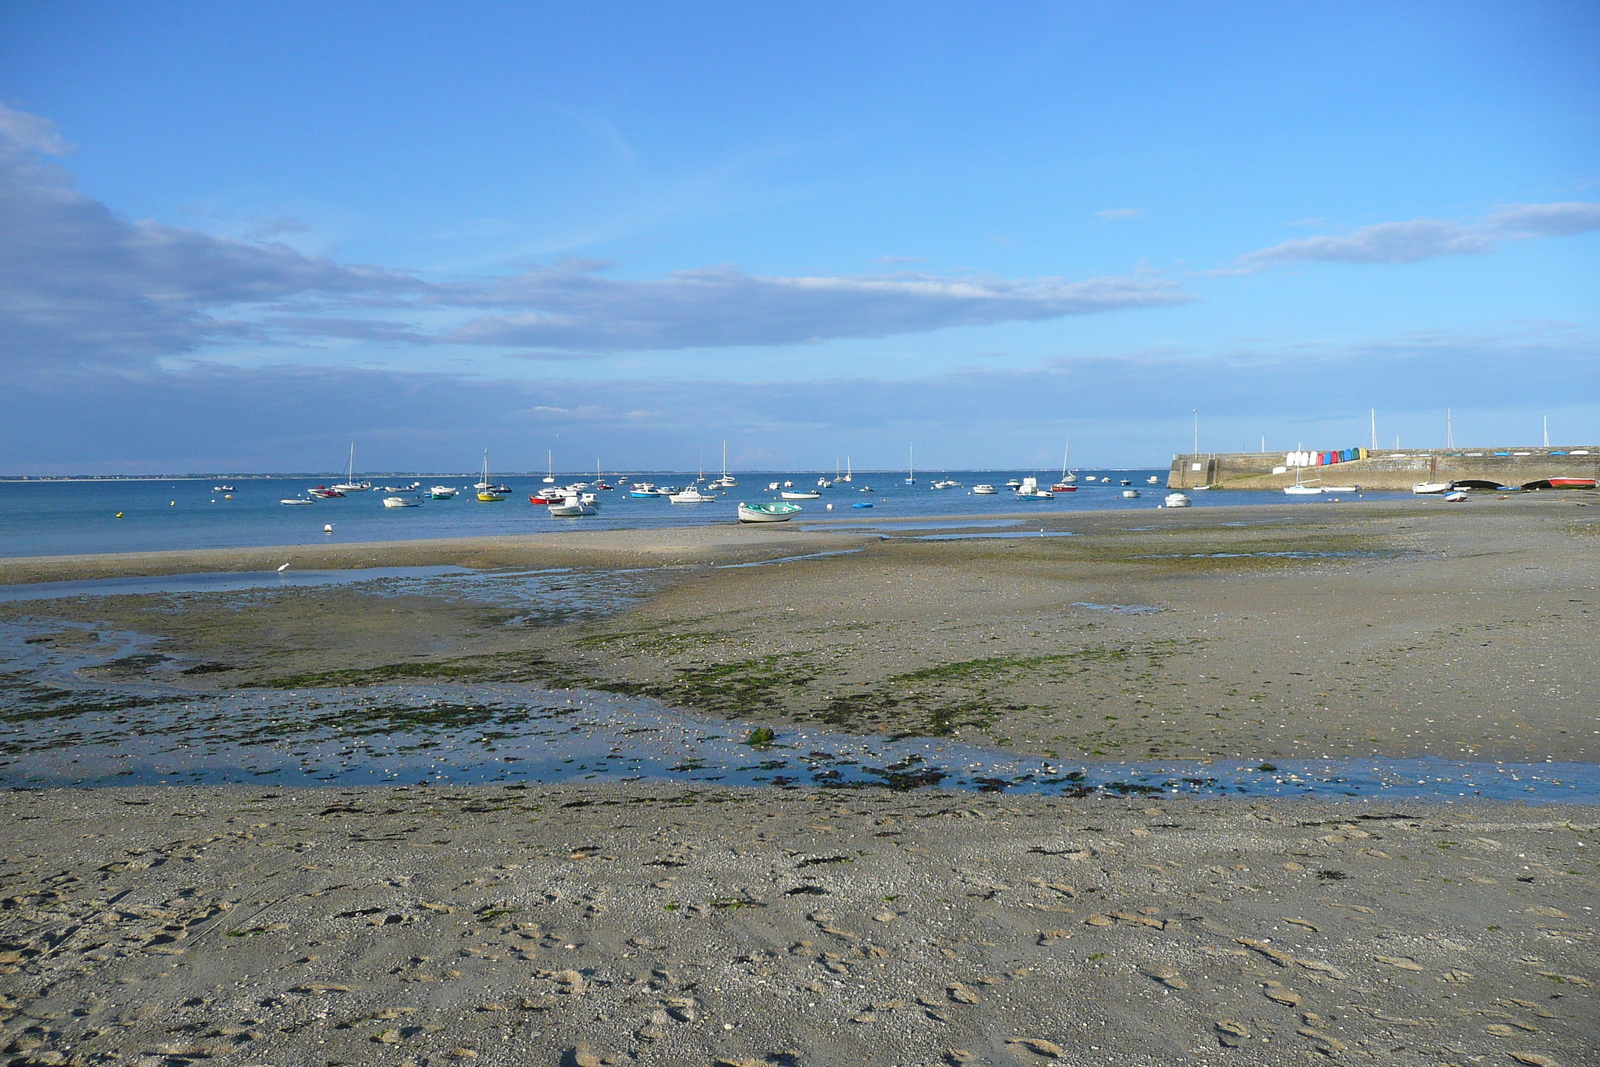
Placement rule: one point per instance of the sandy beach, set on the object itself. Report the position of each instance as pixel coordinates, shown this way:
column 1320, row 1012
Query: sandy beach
column 653, row 923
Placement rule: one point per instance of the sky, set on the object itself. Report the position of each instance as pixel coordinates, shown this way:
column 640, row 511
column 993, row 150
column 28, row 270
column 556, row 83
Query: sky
column 241, row 237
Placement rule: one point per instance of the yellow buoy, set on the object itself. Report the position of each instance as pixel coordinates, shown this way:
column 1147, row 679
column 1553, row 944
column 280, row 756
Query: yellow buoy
column 119, row 514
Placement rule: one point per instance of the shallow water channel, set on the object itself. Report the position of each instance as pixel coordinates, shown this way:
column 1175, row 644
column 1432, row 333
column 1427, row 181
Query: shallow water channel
column 59, row 727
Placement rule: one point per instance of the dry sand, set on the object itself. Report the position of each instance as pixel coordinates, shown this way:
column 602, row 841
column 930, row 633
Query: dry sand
column 645, row 924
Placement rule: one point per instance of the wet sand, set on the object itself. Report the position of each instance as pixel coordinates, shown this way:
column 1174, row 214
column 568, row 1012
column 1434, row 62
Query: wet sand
column 652, row 924
column 1366, row 630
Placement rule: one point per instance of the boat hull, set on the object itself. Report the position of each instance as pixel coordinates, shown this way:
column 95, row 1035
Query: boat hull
column 775, row 512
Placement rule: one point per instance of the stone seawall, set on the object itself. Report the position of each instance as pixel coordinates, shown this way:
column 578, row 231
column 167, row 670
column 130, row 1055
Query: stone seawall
column 1388, row 469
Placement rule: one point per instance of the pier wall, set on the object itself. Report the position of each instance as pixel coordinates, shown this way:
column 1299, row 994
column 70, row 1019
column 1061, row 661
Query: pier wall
column 1389, row 468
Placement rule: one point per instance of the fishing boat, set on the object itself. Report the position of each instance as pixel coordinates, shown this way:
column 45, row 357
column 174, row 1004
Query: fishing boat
column 350, row 485
column 1029, row 490
column 771, row 511
column 800, row 494
column 984, row 489
column 443, row 492
column 693, row 495
column 488, row 492
column 401, row 502
column 1177, row 500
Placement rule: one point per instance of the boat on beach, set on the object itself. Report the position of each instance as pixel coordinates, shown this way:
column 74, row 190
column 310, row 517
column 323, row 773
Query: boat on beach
column 771, row 511
column 1177, row 500
column 1428, row 488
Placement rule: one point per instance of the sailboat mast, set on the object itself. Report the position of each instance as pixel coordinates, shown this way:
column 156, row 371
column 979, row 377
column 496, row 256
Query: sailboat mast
column 1065, row 452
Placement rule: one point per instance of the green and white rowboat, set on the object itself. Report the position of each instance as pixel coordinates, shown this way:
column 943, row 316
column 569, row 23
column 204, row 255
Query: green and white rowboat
column 773, row 511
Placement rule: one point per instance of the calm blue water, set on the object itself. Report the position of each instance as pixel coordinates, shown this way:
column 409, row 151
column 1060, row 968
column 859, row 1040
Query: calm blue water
column 69, row 518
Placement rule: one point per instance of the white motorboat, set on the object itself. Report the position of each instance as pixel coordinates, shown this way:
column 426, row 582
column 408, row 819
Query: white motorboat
column 1029, row 490
column 946, row 483
column 1456, row 497
column 1428, row 488
column 692, row 495
column 401, row 502
column 1153, row 480
column 985, row 490
column 443, row 492
column 773, row 511
column 1341, row 489
column 1013, row 484
column 1130, row 494
column 1177, row 500
column 292, row 501
column 800, row 494
column 774, row 486
column 572, row 509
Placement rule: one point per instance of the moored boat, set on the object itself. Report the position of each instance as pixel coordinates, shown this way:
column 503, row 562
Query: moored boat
column 770, row 511
column 297, row 500
column 443, row 492
column 985, row 490
column 401, row 502
column 488, row 492
column 1177, row 500
column 572, row 508
column 800, row 494
column 693, row 495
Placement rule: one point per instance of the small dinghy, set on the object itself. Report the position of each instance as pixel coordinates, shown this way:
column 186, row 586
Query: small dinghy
column 771, row 511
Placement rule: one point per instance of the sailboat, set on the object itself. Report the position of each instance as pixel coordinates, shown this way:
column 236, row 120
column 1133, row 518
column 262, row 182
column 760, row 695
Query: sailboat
column 847, row 476
column 1068, row 479
column 350, row 484
column 550, row 468
column 911, row 465
column 488, row 492
column 727, row 481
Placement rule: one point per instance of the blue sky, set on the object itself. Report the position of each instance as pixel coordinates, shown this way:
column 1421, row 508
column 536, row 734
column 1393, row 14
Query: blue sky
column 239, row 237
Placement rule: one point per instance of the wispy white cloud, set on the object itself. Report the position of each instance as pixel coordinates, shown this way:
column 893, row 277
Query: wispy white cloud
column 31, row 133
column 723, row 306
column 83, row 286
column 1419, row 239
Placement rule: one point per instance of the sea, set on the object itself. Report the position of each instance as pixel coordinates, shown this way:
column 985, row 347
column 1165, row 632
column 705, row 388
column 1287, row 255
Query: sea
column 62, row 517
